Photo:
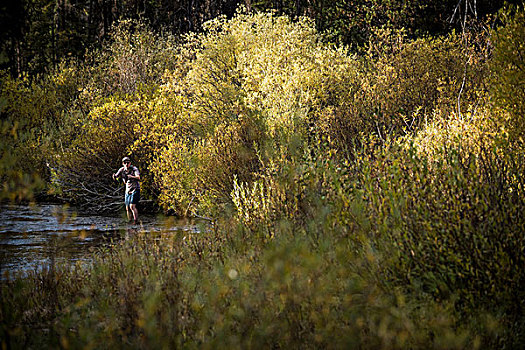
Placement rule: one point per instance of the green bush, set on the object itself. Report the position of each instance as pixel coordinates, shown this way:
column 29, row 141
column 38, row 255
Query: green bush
column 83, row 171
column 410, row 81
column 507, row 68
column 36, row 121
column 448, row 221
column 132, row 58
column 437, row 215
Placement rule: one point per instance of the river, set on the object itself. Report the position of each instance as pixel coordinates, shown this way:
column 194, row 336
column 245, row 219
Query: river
column 31, row 235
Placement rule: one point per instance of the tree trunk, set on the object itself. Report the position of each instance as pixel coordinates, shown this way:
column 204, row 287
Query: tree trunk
column 18, row 59
column 278, row 5
column 54, row 25
column 90, row 22
column 106, row 14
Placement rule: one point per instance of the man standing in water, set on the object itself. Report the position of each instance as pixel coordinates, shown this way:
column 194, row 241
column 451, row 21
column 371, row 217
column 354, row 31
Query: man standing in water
column 131, row 176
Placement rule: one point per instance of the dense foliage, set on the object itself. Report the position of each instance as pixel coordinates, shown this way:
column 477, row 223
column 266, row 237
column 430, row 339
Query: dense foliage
column 370, row 199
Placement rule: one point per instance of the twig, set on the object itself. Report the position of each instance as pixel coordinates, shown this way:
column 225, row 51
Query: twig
column 202, row 217
column 462, row 86
column 188, row 208
column 455, row 10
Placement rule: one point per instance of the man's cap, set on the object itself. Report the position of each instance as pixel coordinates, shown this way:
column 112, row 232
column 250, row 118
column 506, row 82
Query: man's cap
column 126, row 159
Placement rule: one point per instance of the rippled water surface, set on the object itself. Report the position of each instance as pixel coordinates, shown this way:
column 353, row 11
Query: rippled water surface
column 30, row 236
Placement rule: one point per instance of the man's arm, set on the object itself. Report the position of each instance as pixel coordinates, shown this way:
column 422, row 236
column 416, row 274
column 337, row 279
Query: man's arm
column 117, row 174
column 136, row 174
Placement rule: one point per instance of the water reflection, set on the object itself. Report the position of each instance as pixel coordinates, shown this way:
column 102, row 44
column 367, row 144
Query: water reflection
column 32, row 235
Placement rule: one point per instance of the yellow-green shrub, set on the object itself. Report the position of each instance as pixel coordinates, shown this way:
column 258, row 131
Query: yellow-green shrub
column 36, row 121
column 262, row 204
column 444, row 208
column 83, row 170
column 194, row 172
column 417, row 78
column 508, row 72
column 258, row 86
column 475, row 132
column 133, row 57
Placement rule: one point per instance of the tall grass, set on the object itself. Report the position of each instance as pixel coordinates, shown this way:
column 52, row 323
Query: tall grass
column 217, row 291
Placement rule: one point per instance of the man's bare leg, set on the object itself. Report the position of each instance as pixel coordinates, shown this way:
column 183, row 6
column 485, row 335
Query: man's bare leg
column 135, row 212
column 129, row 212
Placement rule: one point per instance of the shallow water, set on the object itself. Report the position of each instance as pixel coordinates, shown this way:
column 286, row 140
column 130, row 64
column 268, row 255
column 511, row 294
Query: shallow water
column 30, row 236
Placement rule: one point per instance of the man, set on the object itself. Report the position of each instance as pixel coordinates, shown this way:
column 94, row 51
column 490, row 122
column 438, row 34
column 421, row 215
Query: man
column 131, row 177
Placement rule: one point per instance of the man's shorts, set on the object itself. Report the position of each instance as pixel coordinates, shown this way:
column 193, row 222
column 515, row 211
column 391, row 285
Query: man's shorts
column 132, row 198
